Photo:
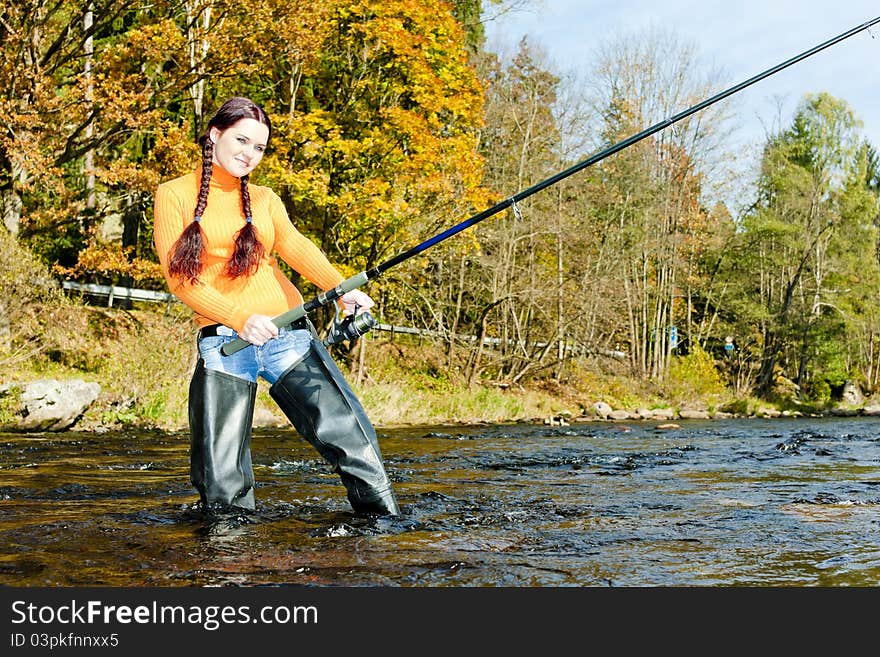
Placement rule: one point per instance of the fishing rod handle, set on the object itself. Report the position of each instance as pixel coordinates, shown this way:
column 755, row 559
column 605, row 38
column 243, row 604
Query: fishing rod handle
column 288, row 318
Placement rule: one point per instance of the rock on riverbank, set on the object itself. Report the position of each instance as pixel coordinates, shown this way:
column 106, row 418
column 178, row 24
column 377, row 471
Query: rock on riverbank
column 46, row 404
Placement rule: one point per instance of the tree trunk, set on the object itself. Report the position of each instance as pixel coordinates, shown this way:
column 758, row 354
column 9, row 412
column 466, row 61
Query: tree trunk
column 89, row 160
column 198, row 46
column 11, row 205
column 560, row 296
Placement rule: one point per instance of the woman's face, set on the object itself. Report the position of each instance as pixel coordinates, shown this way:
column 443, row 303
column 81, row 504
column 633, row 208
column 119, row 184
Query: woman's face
column 240, row 147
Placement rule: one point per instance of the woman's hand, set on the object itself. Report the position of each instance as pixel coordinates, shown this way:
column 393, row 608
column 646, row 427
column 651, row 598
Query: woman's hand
column 356, row 300
column 258, row 330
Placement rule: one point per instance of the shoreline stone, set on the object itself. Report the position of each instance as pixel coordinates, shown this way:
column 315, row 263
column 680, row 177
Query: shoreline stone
column 46, row 404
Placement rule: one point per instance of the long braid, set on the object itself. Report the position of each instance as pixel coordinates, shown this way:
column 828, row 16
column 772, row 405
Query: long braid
column 248, row 249
column 205, row 182
column 186, row 258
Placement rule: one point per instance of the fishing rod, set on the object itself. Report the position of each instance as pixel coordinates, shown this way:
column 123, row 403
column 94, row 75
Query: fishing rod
column 353, row 326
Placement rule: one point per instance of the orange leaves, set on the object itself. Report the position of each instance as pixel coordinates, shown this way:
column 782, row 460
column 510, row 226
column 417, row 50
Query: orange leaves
column 173, row 152
column 375, row 108
column 390, row 131
column 268, row 34
column 128, row 175
column 139, row 49
column 127, row 72
column 112, row 262
column 422, row 47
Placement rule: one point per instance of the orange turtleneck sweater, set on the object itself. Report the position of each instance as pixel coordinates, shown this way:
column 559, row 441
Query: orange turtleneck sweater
column 217, row 298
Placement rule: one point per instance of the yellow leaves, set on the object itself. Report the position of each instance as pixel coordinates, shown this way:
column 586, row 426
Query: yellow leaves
column 128, row 175
column 269, row 34
column 374, row 105
column 111, row 261
column 173, row 152
column 50, row 216
column 421, row 46
column 145, row 272
column 123, row 102
column 383, row 201
column 102, row 258
column 443, row 165
column 32, row 168
column 388, row 132
column 310, row 185
column 138, row 48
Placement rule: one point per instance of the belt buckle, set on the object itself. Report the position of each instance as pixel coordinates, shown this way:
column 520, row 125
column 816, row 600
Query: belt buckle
column 214, row 330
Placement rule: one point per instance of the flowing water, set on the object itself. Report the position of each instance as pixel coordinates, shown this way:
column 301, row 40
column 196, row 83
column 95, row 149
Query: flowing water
column 781, row 502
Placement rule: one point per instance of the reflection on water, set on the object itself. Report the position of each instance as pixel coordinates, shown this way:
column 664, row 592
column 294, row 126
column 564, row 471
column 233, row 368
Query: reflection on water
column 780, row 502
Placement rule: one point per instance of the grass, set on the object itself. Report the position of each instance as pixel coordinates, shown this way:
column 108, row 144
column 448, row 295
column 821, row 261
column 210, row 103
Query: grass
column 143, row 359
column 397, row 404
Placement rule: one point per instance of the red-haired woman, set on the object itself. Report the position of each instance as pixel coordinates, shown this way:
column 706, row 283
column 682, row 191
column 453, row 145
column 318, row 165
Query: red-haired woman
column 216, row 234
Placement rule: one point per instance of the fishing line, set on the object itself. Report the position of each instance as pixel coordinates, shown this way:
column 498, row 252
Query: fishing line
column 358, row 280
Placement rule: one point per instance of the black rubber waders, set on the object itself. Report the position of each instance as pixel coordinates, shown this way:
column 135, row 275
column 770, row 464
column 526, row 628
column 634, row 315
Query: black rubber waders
column 221, row 411
column 320, row 404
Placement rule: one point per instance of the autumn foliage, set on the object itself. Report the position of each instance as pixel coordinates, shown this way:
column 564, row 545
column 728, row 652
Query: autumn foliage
column 376, row 109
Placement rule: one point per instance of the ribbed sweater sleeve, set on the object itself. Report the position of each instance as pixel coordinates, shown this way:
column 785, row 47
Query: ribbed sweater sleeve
column 300, row 252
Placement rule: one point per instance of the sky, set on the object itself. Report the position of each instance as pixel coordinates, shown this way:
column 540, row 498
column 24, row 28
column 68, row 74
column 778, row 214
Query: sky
column 738, row 38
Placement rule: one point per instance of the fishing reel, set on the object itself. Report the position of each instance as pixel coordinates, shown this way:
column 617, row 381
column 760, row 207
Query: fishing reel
column 350, row 327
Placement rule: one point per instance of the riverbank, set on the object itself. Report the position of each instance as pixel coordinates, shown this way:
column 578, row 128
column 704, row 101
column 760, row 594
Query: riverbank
column 401, row 386
column 141, row 360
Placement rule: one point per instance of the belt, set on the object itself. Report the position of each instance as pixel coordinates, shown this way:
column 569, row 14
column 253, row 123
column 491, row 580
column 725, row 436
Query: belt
column 213, row 330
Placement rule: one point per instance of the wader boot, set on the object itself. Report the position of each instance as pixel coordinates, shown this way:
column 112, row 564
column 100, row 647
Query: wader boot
column 317, row 399
column 221, row 411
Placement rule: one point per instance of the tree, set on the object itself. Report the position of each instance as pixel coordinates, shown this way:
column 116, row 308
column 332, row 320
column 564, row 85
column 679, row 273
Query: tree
column 513, row 275
column 811, row 243
column 649, row 208
column 82, row 89
column 384, row 151
column 376, row 111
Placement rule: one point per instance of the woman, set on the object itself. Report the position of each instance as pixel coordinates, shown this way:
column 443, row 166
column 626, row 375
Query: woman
column 215, row 234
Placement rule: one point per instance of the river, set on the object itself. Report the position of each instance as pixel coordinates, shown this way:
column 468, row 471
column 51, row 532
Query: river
column 735, row 502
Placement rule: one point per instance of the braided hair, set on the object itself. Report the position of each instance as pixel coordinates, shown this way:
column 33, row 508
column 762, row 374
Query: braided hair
column 186, row 254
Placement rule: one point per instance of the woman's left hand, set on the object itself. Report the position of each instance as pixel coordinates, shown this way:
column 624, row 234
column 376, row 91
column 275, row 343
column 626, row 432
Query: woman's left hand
column 356, row 300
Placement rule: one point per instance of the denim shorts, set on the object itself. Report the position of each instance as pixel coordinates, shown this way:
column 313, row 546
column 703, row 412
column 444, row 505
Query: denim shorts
column 269, row 361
